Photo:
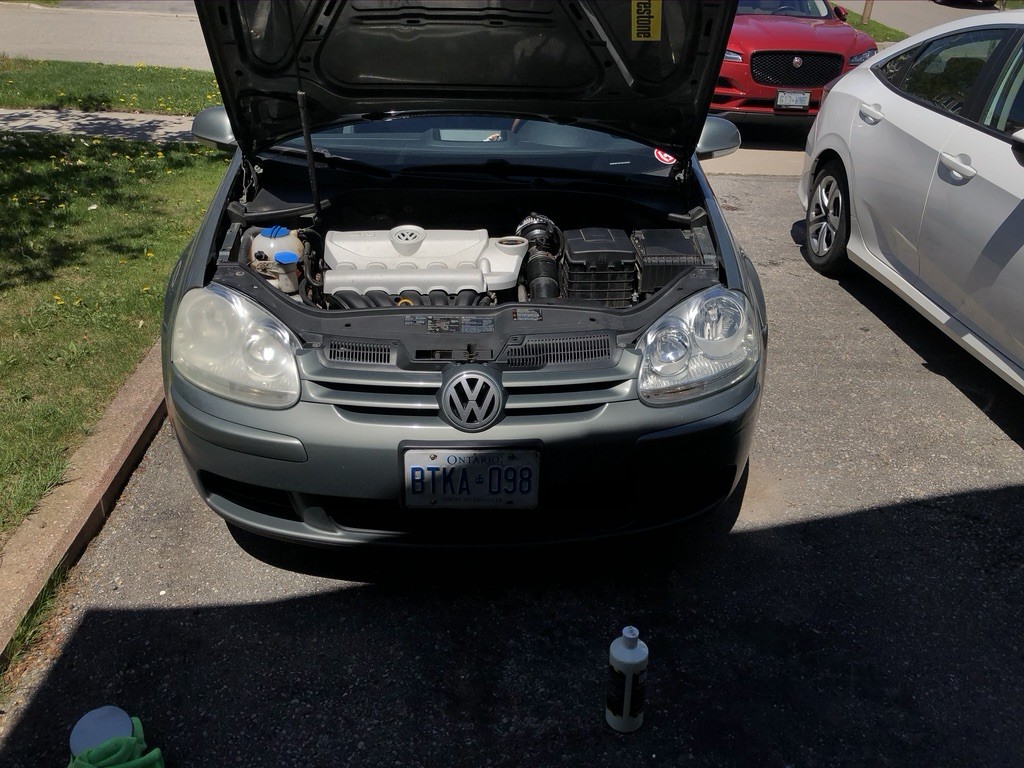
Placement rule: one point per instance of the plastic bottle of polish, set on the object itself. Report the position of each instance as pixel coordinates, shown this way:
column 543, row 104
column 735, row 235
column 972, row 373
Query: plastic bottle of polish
column 627, row 677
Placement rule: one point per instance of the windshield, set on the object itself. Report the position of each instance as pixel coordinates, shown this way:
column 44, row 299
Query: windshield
column 806, row 9
column 406, row 143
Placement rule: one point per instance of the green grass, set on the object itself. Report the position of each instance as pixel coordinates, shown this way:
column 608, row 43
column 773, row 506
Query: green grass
column 884, row 34
column 28, row 630
column 879, row 32
column 91, row 229
column 31, row 84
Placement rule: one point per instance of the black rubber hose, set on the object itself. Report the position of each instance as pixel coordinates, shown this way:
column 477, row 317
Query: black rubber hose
column 541, row 274
column 309, row 252
column 246, row 244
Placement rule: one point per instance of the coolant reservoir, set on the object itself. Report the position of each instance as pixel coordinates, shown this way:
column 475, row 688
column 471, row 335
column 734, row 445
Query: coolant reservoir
column 272, row 241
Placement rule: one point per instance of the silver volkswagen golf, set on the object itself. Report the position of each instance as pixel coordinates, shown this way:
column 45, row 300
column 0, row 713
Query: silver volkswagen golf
column 464, row 282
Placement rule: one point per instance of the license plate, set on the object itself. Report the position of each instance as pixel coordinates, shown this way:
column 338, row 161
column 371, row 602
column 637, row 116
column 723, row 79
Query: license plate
column 793, row 99
column 471, row 477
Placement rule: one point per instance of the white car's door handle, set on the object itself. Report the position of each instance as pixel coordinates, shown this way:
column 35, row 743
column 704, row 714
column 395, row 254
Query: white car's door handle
column 872, row 113
column 958, row 164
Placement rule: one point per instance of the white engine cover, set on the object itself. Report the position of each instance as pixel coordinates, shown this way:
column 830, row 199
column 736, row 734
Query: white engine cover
column 412, row 258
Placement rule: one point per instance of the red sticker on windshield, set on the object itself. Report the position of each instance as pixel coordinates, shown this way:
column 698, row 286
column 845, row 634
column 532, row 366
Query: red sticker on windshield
column 664, row 157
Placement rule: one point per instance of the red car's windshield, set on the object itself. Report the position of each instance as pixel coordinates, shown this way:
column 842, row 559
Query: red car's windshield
column 808, row 9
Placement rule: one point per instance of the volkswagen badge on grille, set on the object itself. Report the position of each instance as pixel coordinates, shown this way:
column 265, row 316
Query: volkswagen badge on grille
column 797, row 62
column 472, row 399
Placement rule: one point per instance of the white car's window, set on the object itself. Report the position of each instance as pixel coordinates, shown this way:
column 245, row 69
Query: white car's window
column 1005, row 108
column 947, row 69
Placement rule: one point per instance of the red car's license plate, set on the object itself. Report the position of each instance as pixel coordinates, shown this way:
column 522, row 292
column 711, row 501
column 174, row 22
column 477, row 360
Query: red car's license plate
column 793, row 99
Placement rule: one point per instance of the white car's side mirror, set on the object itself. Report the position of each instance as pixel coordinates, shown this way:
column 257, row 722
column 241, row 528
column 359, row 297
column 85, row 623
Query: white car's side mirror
column 1017, row 145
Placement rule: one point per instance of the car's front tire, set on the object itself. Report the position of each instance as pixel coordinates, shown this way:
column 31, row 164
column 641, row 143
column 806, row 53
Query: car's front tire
column 828, row 221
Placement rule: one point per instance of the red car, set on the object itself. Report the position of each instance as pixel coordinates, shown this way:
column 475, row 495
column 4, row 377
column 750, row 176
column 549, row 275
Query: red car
column 781, row 53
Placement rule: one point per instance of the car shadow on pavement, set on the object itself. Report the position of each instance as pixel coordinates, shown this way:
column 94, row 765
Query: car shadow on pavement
column 786, row 135
column 1000, row 402
column 889, row 636
column 565, row 563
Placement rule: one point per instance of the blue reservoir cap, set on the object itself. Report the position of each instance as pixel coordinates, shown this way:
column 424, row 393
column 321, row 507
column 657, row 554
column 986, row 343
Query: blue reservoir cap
column 286, row 257
column 275, row 231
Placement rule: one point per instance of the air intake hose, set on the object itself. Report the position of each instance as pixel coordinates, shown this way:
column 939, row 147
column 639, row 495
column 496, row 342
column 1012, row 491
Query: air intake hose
column 541, row 268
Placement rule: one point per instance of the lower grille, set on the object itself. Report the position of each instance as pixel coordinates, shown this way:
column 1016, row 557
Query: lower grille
column 780, row 68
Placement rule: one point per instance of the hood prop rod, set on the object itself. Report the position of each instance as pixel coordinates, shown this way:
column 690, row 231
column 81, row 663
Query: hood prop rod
column 310, row 163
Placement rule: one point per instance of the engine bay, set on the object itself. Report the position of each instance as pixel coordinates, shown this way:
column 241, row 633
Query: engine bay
column 534, row 261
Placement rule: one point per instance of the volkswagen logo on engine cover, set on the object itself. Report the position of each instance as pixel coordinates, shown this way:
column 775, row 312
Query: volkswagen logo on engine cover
column 472, row 400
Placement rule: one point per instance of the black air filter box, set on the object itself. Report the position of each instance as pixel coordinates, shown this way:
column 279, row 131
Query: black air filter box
column 664, row 253
column 599, row 266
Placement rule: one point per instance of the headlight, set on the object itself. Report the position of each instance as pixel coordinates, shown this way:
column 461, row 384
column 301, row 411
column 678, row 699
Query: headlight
column 860, row 58
column 228, row 345
column 733, row 56
column 705, row 344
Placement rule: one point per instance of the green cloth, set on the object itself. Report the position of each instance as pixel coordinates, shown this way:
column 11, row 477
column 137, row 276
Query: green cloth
column 120, row 752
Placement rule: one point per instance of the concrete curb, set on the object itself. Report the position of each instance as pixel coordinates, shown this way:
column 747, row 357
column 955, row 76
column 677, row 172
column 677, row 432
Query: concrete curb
column 68, row 517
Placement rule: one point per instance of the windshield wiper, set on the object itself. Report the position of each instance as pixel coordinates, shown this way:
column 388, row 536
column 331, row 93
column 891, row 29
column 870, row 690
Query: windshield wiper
column 335, row 161
column 504, row 169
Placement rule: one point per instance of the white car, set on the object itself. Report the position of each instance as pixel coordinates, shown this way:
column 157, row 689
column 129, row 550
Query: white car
column 914, row 171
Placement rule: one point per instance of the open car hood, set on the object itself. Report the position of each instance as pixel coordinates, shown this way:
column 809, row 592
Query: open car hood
column 643, row 69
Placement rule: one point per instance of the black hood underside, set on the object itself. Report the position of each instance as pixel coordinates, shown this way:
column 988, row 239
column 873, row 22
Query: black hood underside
column 643, row 69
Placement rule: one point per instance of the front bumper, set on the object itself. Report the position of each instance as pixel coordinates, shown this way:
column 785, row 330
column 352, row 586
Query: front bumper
column 618, row 469
column 737, row 95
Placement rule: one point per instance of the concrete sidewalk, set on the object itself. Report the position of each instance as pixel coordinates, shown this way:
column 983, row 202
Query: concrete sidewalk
column 122, row 125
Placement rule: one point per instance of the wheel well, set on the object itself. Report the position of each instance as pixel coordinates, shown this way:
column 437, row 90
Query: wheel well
column 825, row 157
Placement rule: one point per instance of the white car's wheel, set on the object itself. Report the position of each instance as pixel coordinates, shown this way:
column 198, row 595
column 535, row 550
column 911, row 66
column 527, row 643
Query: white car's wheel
column 828, row 221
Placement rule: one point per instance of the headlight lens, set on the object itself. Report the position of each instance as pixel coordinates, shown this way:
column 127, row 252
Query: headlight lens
column 860, row 58
column 733, row 56
column 705, row 344
column 228, row 345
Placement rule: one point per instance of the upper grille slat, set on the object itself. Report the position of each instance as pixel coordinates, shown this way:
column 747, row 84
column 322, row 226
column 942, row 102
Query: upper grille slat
column 777, row 68
column 343, row 351
column 539, row 352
